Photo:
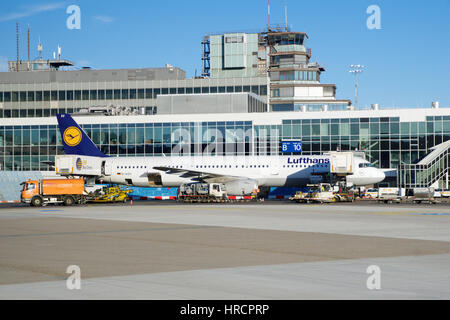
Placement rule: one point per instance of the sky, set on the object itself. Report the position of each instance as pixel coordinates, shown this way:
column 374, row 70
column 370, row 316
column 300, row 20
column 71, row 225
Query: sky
column 406, row 61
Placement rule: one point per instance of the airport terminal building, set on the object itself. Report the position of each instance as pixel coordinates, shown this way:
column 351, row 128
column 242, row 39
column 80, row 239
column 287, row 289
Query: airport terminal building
column 256, row 90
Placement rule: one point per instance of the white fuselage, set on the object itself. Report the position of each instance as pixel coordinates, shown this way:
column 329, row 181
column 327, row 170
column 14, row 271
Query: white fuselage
column 270, row 171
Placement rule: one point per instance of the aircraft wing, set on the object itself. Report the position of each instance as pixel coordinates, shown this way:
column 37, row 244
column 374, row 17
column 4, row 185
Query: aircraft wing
column 204, row 176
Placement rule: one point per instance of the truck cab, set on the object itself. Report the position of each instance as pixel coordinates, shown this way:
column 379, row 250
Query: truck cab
column 217, row 190
column 30, row 189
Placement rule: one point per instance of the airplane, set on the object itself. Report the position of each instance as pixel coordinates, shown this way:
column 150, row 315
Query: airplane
column 240, row 174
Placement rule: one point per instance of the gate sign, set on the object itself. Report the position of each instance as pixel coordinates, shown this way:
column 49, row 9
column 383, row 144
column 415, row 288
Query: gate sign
column 291, row 146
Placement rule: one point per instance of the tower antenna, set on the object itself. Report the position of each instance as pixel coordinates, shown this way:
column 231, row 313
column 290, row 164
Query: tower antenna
column 28, row 47
column 17, row 36
column 285, row 18
column 268, row 15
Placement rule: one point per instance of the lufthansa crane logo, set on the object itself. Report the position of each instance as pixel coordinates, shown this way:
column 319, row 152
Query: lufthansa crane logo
column 79, row 164
column 72, row 136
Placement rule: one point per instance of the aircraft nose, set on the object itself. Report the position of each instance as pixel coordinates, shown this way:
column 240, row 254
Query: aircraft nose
column 380, row 175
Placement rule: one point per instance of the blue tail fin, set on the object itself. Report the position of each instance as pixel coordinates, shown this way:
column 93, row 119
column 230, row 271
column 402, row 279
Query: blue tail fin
column 74, row 139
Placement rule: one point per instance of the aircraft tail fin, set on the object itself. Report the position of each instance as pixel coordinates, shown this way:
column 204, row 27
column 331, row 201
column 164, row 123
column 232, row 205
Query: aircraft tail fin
column 74, row 139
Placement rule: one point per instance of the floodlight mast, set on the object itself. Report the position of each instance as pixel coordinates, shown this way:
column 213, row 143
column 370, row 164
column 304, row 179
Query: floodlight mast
column 356, row 69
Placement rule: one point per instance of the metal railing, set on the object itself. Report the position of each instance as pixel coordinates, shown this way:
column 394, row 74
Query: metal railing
column 433, row 168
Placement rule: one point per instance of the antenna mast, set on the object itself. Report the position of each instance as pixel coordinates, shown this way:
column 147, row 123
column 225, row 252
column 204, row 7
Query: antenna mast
column 17, row 35
column 28, row 48
column 268, row 15
column 285, row 18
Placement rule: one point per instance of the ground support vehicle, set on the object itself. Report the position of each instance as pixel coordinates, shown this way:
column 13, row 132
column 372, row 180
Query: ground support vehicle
column 112, row 194
column 57, row 191
column 389, row 195
column 322, row 192
column 424, row 195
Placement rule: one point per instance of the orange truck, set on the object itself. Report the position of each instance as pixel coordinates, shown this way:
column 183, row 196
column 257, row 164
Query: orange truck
column 66, row 191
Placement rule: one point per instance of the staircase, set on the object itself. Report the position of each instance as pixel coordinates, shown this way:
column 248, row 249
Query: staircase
column 432, row 170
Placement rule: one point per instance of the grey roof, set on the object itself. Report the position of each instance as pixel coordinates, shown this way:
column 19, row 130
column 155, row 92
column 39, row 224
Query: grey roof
column 92, row 75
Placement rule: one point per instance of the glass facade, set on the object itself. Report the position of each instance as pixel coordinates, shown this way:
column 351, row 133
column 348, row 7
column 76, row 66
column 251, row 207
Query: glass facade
column 22, row 102
column 387, row 141
column 29, row 147
column 284, row 107
column 299, row 75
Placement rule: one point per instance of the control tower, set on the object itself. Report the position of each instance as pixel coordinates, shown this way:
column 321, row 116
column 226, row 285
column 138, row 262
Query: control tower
column 295, row 80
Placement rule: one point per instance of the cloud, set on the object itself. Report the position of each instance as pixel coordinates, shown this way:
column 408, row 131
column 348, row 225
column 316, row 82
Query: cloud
column 104, row 19
column 28, row 11
column 3, row 64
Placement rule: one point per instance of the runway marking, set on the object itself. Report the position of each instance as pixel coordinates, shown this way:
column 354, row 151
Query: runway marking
column 431, row 214
column 396, row 213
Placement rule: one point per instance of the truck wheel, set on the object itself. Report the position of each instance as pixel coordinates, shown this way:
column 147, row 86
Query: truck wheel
column 68, row 201
column 36, row 201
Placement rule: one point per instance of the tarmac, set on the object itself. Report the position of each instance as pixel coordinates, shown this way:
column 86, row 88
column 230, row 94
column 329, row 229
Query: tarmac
column 270, row 250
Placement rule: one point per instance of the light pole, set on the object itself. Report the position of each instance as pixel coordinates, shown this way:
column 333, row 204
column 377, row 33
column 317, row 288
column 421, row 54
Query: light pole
column 356, row 69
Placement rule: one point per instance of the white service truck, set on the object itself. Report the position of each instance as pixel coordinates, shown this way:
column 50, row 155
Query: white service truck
column 389, row 195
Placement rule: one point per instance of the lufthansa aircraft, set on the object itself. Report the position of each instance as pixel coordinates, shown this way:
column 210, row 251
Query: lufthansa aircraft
column 240, row 174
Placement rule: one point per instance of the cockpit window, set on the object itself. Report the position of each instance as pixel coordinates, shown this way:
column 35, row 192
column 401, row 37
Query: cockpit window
column 366, row 165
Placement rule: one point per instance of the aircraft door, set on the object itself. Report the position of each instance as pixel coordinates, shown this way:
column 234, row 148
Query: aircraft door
column 274, row 168
column 106, row 168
